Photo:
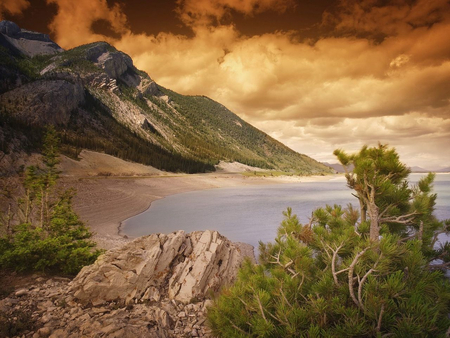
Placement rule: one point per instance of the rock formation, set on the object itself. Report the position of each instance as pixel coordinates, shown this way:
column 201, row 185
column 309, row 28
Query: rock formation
column 26, row 42
column 45, row 101
column 178, row 266
column 154, row 286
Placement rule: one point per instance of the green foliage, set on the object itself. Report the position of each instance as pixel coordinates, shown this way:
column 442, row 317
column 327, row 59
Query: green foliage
column 324, row 280
column 48, row 234
column 379, row 180
column 211, row 131
column 329, row 278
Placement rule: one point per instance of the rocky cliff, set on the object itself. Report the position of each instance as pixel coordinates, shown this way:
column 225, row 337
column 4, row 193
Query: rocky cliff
column 26, row 42
column 156, row 286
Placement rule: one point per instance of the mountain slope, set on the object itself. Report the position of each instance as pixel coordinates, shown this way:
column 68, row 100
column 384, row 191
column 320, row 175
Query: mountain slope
column 100, row 101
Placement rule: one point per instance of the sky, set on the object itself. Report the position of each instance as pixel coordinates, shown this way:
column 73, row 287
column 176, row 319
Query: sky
column 315, row 74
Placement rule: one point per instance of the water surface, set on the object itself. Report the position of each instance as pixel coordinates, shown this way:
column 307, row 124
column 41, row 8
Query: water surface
column 253, row 213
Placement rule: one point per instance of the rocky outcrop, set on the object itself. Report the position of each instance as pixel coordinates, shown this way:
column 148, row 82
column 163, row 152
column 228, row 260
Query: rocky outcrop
column 156, row 286
column 115, row 64
column 175, row 266
column 150, row 88
column 26, row 42
column 45, row 101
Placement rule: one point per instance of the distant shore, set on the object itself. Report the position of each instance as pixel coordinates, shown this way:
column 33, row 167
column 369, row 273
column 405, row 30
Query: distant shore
column 104, row 202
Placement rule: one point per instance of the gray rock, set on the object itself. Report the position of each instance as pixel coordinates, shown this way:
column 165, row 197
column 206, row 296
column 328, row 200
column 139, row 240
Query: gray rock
column 141, row 270
column 27, row 42
column 9, row 28
column 45, row 102
column 187, row 266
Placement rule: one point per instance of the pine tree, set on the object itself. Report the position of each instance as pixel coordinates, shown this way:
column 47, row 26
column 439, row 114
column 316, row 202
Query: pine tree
column 48, row 234
column 332, row 278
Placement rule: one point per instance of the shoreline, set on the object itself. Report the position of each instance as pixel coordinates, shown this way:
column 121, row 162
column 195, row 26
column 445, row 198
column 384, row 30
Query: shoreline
column 103, row 203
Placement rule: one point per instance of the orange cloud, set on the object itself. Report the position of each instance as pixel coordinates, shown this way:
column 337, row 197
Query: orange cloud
column 397, row 17
column 73, row 23
column 13, row 6
column 205, row 12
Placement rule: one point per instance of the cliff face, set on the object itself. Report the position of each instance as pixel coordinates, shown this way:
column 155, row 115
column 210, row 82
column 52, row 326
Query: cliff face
column 26, row 42
column 155, row 286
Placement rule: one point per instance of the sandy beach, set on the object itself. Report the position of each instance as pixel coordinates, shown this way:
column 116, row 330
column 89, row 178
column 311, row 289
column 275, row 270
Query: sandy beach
column 103, row 202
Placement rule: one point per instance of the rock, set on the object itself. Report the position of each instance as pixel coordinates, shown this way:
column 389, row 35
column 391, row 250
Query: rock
column 150, row 88
column 92, row 305
column 26, row 42
column 9, row 28
column 189, row 265
column 58, row 334
column 21, row 292
column 44, row 332
column 114, row 63
column 45, row 102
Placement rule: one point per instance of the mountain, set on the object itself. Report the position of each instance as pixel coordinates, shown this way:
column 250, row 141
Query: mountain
column 339, row 168
column 99, row 100
column 416, row 169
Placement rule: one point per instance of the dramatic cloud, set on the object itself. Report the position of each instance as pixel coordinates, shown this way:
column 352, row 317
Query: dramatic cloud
column 206, row 12
column 383, row 75
column 73, row 23
column 13, row 7
column 389, row 18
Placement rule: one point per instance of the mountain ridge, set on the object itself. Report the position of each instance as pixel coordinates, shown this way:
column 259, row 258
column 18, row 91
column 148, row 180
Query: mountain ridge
column 99, row 100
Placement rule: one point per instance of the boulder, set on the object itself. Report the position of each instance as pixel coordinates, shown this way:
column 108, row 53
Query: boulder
column 179, row 266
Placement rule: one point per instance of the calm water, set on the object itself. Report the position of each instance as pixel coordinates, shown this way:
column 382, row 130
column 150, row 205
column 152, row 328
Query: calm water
column 251, row 214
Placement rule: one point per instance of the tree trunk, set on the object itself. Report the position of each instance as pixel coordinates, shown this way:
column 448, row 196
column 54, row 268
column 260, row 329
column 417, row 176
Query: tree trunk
column 363, row 210
column 374, row 223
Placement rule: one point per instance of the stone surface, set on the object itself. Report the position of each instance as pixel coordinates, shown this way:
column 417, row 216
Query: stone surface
column 134, row 281
column 45, row 101
column 26, row 42
column 178, row 266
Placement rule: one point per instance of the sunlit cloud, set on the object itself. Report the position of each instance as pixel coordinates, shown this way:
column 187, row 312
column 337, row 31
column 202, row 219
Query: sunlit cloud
column 414, row 135
column 73, row 23
column 13, row 7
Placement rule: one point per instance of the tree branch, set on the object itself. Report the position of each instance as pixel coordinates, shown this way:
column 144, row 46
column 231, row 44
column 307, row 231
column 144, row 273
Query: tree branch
column 363, row 280
column 402, row 219
column 333, row 262
column 351, row 268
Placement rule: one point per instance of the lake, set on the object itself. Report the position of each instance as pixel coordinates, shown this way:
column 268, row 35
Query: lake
column 253, row 213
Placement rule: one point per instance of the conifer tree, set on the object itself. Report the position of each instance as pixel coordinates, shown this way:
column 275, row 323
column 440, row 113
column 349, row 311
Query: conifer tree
column 332, row 278
column 47, row 234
